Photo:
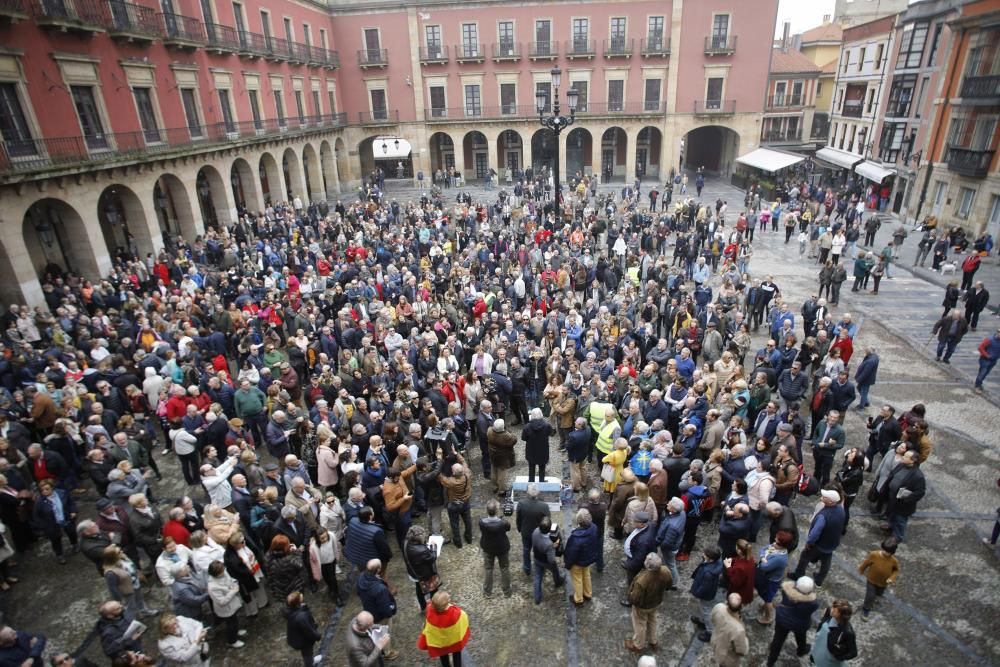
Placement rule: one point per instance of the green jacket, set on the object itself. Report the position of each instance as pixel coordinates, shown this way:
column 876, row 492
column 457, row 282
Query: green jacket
column 249, row 403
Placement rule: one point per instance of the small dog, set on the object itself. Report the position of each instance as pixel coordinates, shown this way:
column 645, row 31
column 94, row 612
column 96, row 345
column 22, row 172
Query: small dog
column 948, row 267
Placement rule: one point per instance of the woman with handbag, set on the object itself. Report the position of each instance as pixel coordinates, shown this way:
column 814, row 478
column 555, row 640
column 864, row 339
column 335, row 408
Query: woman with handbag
column 323, row 555
column 421, row 564
column 835, row 643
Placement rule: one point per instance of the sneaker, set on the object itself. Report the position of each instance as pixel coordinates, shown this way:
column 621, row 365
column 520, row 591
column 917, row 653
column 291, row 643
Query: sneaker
column 865, row 614
column 165, row 452
column 237, row 644
column 317, row 660
column 683, row 557
column 241, row 633
column 705, row 636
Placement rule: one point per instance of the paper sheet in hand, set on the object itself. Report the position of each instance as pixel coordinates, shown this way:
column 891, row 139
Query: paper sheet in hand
column 134, row 629
column 436, row 542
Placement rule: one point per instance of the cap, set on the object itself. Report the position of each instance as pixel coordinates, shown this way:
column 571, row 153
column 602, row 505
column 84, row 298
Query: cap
column 832, row 496
column 642, row 517
column 270, row 467
column 103, row 504
column 785, row 427
column 236, row 421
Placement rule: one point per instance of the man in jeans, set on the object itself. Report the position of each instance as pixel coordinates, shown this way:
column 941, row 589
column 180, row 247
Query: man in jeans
column 495, row 544
column 671, row 534
column 458, row 489
column 530, row 513
column 545, row 551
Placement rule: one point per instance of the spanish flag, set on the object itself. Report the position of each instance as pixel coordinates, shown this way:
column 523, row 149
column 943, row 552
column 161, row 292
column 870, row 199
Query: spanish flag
column 444, row 632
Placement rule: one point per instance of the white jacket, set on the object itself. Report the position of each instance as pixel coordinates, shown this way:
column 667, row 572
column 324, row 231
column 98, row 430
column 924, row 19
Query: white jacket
column 183, row 650
column 164, row 563
column 219, row 490
column 225, row 594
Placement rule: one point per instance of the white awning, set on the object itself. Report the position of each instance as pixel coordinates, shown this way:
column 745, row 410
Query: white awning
column 873, row 171
column 390, row 147
column 766, row 159
column 838, row 157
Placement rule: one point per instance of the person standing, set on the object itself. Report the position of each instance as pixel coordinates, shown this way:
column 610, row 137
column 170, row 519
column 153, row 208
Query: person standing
column 536, row 449
column 545, row 548
column 362, row 649
column 224, row 592
column 835, row 643
column 989, row 353
column 501, row 444
column 670, row 535
column 950, row 330
column 824, row 536
column 794, row 615
column 645, row 595
column 54, row 515
column 446, row 631
column 865, row 376
column 880, row 569
column 530, row 513
column 301, row 629
column 705, row 588
column 598, row 513
column 828, row 439
column 729, row 641
column 495, row 545
column 580, row 553
column 577, row 448
column 458, row 491
column 905, row 487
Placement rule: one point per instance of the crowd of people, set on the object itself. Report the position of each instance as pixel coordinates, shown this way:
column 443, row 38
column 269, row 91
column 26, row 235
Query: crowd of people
column 325, row 377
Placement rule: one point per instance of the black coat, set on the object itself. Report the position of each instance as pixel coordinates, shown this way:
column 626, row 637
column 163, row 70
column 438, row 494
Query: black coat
column 641, row 545
column 301, row 629
column 536, row 437
column 421, row 561
column 529, row 515
column 493, row 538
column 45, row 518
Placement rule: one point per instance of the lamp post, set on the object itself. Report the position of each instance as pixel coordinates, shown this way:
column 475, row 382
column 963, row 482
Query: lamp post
column 557, row 123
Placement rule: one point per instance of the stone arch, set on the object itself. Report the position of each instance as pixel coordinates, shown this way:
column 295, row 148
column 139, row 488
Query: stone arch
column 212, row 197
column 476, row 151
column 442, row 150
column 295, row 182
column 344, row 171
column 123, row 221
column 312, row 173
column 246, row 194
column 510, row 152
column 579, row 152
column 543, row 149
column 712, row 147
column 649, row 147
column 173, row 208
column 271, row 181
column 56, row 235
column 328, row 167
column 614, row 155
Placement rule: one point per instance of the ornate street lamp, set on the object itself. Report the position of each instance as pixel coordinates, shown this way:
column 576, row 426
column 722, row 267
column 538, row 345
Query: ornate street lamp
column 557, row 123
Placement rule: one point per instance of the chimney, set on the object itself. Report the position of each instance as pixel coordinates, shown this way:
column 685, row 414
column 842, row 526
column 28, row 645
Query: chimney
column 826, row 19
column 786, row 29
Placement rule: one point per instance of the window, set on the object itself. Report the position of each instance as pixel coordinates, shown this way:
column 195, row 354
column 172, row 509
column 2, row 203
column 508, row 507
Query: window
column 796, row 94
column 965, row 199
column 90, row 119
column 819, row 88
column 432, row 35
column 380, row 110
column 190, row 103
column 654, row 33
column 317, row 105
column 14, row 124
column 901, row 95
column 720, row 31
column 288, row 29
column 779, row 93
column 879, row 56
column 861, row 58
column 891, row 141
column 508, row 98
column 147, row 116
column 713, row 93
column 618, row 33
column 911, row 48
column 581, row 33
column 227, row 110
column 581, row 97
column 307, row 35
column 651, row 95
column 470, row 40
column 871, row 101
column 982, row 133
column 544, row 87
column 265, row 23
column 373, row 46
column 473, row 101
column 505, row 34
column 331, row 99
column 322, row 39
column 300, row 107
column 994, row 219
column 438, row 108
column 253, row 95
column 279, row 107
column 543, row 37
column 984, row 57
column 616, row 94
column 935, row 40
column 240, row 23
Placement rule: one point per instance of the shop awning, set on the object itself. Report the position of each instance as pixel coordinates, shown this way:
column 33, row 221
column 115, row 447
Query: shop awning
column 769, row 160
column 873, row 171
column 390, row 147
column 838, row 157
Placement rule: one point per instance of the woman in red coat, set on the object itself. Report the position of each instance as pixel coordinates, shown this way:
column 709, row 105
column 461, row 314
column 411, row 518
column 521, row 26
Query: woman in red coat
column 740, row 571
column 446, row 631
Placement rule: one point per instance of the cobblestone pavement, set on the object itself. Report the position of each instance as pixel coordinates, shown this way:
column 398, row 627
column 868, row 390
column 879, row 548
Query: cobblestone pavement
column 942, row 611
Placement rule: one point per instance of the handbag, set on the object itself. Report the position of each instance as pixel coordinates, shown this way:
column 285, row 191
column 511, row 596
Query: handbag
column 430, row 586
column 608, row 473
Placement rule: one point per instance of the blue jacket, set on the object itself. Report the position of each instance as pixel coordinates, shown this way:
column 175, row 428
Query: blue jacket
column 578, row 445
column 582, row 547
column 825, row 530
column 671, row 531
column 659, row 411
column 375, row 596
column 705, row 579
column 867, row 370
column 796, row 609
column 642, row 545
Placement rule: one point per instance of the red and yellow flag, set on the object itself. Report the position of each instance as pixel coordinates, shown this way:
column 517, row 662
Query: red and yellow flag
column 444, row 632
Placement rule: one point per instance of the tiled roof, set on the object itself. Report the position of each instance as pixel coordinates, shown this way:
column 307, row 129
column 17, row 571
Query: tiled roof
column 787, row 62
column 828, row 32
column 830, row 67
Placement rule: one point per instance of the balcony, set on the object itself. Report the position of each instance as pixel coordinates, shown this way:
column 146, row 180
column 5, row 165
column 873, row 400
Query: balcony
column 852, row 109
column 85, row 16
column 655, row 48
column 222, row 38
column 969, row 162
column 981, row 89
column 784, row 101
column 470, row 53
column 320, row 57
column 252, row 45
column 714, row 107
column 84, row 151
column 543, row 50
column 434, row 54
column 182, row 32
column 14, row 10
column 581, row 48
column 133, row 23
column 619, row 47
column 373, row 58
column 506, row 52
column 379, row 117
column 298, row 54
column 529, row 111
column 782, row 136
column 720, row 45
column 277, row 49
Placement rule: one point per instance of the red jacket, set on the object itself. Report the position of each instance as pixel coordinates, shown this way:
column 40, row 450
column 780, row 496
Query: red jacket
column 177, row 531
column 176, row 408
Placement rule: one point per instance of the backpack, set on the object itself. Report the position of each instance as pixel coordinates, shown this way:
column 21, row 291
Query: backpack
column 841, row 643
column 701, row 504
column 808, row 485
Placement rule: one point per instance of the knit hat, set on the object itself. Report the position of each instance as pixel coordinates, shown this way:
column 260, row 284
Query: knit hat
column 805, row 585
